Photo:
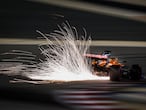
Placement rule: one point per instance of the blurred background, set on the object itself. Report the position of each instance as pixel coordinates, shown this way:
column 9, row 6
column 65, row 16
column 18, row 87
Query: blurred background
column 103, row 19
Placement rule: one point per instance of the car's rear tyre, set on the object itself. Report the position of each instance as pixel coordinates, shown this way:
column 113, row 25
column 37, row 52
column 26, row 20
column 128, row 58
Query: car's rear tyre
column 114, row 73
column 135, row 72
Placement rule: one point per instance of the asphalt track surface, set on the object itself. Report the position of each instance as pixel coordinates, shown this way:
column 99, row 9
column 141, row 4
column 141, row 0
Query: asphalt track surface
column 77, row 95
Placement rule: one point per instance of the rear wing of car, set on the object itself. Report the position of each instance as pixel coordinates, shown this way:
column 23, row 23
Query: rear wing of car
column 96, row 56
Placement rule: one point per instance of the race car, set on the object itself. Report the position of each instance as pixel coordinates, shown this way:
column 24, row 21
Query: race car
column 104, row 64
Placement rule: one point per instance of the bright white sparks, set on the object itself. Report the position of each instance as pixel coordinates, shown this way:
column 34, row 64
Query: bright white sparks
column 64, row 60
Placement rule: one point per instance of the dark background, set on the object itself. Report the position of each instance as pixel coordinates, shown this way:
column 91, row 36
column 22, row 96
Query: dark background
column 21, row 19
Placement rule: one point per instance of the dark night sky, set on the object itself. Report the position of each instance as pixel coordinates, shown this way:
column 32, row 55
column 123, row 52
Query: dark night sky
column 21, row 19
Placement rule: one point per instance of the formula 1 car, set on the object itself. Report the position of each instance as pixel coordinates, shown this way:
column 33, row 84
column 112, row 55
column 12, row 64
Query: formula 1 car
column 106, row 65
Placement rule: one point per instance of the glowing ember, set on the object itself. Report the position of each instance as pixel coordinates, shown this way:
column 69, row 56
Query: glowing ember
column 64, row 60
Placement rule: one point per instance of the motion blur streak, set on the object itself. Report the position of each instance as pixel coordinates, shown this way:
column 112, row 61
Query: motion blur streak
column 14, row 41
column 123, row 13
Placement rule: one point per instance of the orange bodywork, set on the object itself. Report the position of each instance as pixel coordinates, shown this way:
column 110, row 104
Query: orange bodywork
column 94, row 62
column 114, row 61
column 102, row 63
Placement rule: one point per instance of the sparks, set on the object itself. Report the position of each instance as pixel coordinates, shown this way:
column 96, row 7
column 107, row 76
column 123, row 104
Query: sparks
column 64, row 57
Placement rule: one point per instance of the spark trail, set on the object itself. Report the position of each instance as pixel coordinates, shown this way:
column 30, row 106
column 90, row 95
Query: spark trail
column 64, row 60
